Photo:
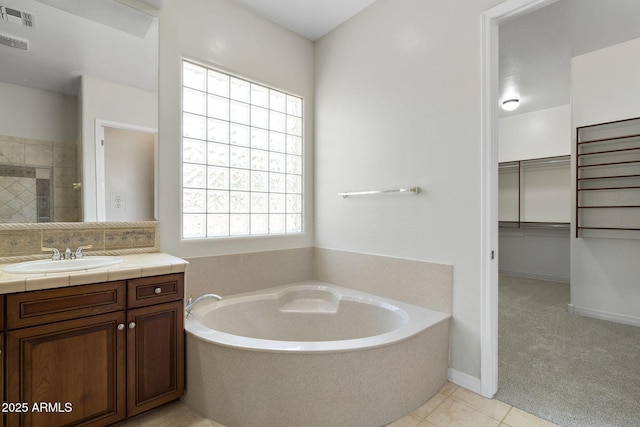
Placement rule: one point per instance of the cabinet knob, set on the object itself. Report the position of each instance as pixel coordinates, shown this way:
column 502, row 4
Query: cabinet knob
column 132, row 325
column 121, row 326
column 158, row 290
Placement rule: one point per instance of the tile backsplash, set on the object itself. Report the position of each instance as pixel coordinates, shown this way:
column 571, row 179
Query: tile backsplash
column 25, row 241
column 36, row 181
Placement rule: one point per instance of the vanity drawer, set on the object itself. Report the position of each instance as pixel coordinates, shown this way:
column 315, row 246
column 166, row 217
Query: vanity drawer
column 155, row 290
column 40, row 307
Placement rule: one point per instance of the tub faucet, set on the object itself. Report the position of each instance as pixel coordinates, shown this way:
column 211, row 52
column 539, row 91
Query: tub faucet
column 192, row 302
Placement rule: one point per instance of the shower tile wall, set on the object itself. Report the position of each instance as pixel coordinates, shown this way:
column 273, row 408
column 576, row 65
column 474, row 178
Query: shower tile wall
column 36, row 178
column 25, row 193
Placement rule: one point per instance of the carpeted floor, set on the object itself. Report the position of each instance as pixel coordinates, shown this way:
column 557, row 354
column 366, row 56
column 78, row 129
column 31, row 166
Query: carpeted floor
column 568, row 369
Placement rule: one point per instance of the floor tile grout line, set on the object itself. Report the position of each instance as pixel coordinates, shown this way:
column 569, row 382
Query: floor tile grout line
column 507, row 414
column 478, row 410
column 444, row 399
column 422, row 418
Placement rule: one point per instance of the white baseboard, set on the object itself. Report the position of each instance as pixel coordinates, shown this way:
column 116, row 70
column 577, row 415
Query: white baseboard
column 604, row 315
column 536, row 276
column 467, row 381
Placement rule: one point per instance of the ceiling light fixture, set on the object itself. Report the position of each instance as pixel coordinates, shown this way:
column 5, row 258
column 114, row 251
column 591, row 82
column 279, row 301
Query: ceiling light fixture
column 510, row 104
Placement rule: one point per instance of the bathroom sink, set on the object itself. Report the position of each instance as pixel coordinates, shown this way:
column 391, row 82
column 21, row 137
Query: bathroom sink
column 49, row 266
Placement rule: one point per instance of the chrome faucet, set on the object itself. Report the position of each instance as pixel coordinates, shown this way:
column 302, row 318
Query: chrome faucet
column 79, row 254
column 192, row 302
column 55, row 255
column 67, row 254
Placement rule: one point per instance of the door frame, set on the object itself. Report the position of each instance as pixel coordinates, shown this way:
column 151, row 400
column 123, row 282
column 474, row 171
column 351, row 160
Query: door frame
column 491, row 19
column 101, row 201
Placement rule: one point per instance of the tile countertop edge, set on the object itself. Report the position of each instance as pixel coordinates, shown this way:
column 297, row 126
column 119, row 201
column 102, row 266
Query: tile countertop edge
column 131, row 267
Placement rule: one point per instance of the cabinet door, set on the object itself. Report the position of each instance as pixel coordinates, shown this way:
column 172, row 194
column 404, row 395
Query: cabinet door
column 155, row 356
column 69, row 373
column 2, row 357
column 2, row 312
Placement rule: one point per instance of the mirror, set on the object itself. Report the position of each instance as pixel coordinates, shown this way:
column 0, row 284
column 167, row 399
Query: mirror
column 72, row 74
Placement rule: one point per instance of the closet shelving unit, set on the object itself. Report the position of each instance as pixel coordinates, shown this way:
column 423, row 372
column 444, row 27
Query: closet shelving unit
column 543, row 210
column 608, row 177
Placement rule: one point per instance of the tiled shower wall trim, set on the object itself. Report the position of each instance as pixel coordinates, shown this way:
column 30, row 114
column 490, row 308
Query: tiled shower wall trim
column 23, row 242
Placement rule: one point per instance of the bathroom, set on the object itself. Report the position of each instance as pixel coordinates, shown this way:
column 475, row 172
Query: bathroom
column 427, row 133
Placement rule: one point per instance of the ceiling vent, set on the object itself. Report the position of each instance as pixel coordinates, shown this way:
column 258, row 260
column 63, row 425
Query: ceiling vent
column 14, row 42
column 16, row 16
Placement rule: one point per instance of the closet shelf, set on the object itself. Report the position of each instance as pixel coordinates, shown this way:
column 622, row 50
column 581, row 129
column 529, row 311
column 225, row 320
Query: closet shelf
column 533, row 225
column 613, row 138
column 618, row 151
column 533, row 190
column 634, row 187
column 625, row 162
column 610, row 177
column 609, row 207
column 609, row 228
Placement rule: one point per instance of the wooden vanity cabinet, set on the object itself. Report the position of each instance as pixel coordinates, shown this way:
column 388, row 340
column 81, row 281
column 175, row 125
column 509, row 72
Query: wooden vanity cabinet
column 2, row 357
column 89, row 360
column 66, row 352
column 155, row 342
column 76, row 368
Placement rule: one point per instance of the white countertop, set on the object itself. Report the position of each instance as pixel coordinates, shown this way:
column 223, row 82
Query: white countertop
column 131, row 267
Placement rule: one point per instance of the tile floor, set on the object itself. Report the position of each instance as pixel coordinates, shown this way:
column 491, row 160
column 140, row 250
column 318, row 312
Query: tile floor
column 455, row 406
column 175, row 414
column 452, row 406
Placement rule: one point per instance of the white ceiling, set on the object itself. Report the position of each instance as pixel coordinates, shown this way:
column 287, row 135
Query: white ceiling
column 536, row 49
column 63, row 46
column 311, row 19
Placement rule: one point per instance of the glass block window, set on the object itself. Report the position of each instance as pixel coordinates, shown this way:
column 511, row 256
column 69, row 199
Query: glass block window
column 241, row 156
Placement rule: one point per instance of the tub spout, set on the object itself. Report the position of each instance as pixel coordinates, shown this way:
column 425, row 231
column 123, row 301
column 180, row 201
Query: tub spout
column 192, row 302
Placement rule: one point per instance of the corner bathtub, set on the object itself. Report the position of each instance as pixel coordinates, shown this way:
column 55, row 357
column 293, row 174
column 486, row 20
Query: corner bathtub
column 313, row 354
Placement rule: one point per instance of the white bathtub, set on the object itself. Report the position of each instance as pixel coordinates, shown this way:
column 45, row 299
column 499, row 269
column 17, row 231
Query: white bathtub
column 313, row 354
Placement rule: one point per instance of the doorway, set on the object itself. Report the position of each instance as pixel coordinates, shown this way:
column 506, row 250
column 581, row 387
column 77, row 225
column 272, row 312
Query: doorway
column 587, row 342
column 126, row 172
column 491, row 20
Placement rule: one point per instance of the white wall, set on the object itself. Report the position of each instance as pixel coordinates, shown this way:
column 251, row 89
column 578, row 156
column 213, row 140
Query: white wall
column 129, row 158
column 398, row 104
column 223, row 34
column 537, row 253
column 542, row 133
column 100, row 99
column 38, row 114
column 606, row 84
column 605, row 271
